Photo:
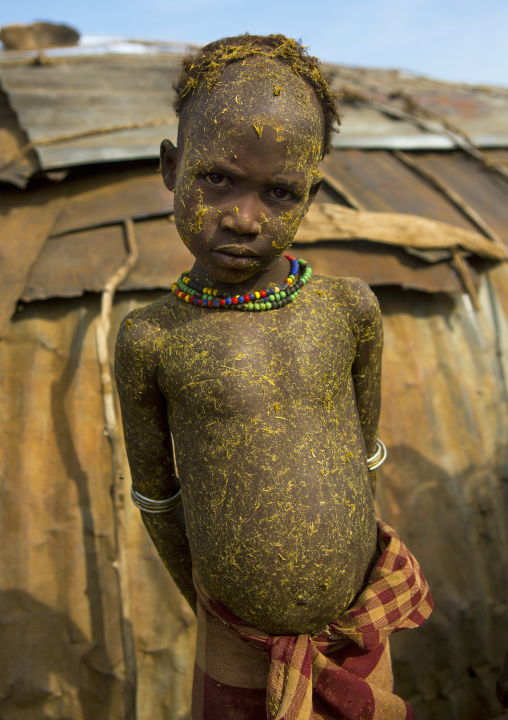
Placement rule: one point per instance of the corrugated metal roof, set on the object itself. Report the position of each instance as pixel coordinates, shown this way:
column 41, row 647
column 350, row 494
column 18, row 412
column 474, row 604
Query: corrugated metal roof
column 79, row 98
column 379, row 181
column 481, row 112
column 81, row 94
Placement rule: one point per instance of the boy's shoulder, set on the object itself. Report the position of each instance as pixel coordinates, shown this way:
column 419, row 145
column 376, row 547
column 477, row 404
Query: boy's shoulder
column 350, row 293
column 144, row 327
column 353, row 298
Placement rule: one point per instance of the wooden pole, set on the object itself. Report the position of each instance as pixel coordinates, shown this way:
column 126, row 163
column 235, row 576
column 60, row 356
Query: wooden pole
column 118, row 463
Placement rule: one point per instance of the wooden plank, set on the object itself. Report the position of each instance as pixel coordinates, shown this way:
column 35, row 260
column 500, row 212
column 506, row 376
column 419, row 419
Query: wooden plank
column 336, row 222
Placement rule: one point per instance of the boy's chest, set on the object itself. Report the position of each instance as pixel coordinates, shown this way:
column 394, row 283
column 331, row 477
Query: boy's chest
column 231, row 364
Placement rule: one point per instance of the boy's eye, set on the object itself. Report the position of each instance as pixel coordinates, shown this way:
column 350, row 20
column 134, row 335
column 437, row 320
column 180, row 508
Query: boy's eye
column 280, row 194
column 217, row 180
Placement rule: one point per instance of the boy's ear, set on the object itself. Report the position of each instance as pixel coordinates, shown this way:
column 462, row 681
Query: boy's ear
column 313, row 192
column 168, row 163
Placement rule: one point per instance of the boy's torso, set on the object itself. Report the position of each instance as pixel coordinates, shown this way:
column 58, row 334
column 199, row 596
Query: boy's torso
column 270, row 454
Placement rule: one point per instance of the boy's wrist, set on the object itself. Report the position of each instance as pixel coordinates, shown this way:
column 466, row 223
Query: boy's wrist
column 156, row 507
column 378, row 456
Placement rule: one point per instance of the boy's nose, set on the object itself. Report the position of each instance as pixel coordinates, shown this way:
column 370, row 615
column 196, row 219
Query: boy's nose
column 242, row 220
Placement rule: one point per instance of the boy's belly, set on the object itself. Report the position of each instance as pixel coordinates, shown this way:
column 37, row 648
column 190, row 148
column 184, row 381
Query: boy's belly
column 284, row 539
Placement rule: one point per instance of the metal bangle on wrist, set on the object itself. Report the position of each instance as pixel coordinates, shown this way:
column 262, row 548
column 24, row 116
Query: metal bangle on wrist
column 156, row 507
column 378, row 457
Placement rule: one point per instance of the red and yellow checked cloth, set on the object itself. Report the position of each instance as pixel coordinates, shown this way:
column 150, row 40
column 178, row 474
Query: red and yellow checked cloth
column 342, row 673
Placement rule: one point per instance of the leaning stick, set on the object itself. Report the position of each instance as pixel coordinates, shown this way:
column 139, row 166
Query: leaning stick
column 118, row 464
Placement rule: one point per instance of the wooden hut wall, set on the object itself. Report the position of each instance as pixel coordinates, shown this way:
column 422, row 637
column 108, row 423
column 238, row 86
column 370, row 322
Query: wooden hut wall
column 444, row 488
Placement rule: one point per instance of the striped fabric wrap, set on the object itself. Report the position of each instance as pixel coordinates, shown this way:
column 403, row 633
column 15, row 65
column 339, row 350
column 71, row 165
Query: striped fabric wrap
column 341, row 673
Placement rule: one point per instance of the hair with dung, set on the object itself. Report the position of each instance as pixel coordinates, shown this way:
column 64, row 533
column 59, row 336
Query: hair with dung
column 208, row 64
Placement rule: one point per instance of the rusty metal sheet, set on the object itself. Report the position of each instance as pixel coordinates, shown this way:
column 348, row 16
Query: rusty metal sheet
column 68, row 266
column 72, row 264
column 378, row 265
column 482, row 190
column 480, row 111
column 163, row 256
column 12, row 139
column 55, row 100
column 445, row 420
column 108, row 148
column 30, row 217
column 482, row 115
column 25, row 223
column 380, row 182
column 104, row 198
column 368, row 129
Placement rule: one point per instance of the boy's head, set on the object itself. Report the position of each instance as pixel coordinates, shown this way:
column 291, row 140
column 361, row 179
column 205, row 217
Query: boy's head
column 210, row 62
column 256, row 117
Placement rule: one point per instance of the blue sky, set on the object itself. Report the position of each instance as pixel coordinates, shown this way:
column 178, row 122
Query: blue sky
column 462, row 40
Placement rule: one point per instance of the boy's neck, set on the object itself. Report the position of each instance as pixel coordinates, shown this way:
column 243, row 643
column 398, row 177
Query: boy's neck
column 274, row 275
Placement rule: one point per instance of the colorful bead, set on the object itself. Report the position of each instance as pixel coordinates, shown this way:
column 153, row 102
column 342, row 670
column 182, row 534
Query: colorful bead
column 275, row 297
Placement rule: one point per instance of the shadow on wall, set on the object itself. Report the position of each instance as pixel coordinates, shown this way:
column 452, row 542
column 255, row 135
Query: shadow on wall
column 77, row 474
column 455, row 524
column 43, row 656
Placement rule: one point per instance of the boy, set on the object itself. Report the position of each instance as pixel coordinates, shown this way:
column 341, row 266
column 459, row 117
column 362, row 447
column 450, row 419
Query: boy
column 273, row 410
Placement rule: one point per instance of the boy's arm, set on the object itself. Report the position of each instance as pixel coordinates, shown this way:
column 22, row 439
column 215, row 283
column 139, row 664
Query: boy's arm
column 149, row 446
column 366, row 370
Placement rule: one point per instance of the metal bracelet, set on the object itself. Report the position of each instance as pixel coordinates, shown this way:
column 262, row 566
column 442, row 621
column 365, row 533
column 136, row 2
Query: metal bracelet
column 156, row 507
column 378, row 457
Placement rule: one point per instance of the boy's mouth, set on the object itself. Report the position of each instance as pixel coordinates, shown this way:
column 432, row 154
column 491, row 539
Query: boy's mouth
column 235, row 257
column 236, row 250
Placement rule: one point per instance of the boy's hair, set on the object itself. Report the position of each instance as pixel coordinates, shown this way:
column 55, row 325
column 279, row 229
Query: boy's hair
column 209, row 63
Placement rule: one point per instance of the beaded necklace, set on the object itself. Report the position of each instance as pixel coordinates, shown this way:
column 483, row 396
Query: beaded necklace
column 270, row 299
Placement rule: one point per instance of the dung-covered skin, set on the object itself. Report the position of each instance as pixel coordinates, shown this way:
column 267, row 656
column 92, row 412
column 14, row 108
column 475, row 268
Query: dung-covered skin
column 272, row 413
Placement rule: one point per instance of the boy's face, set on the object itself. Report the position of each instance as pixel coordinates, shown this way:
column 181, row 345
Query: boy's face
column 246, row 169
